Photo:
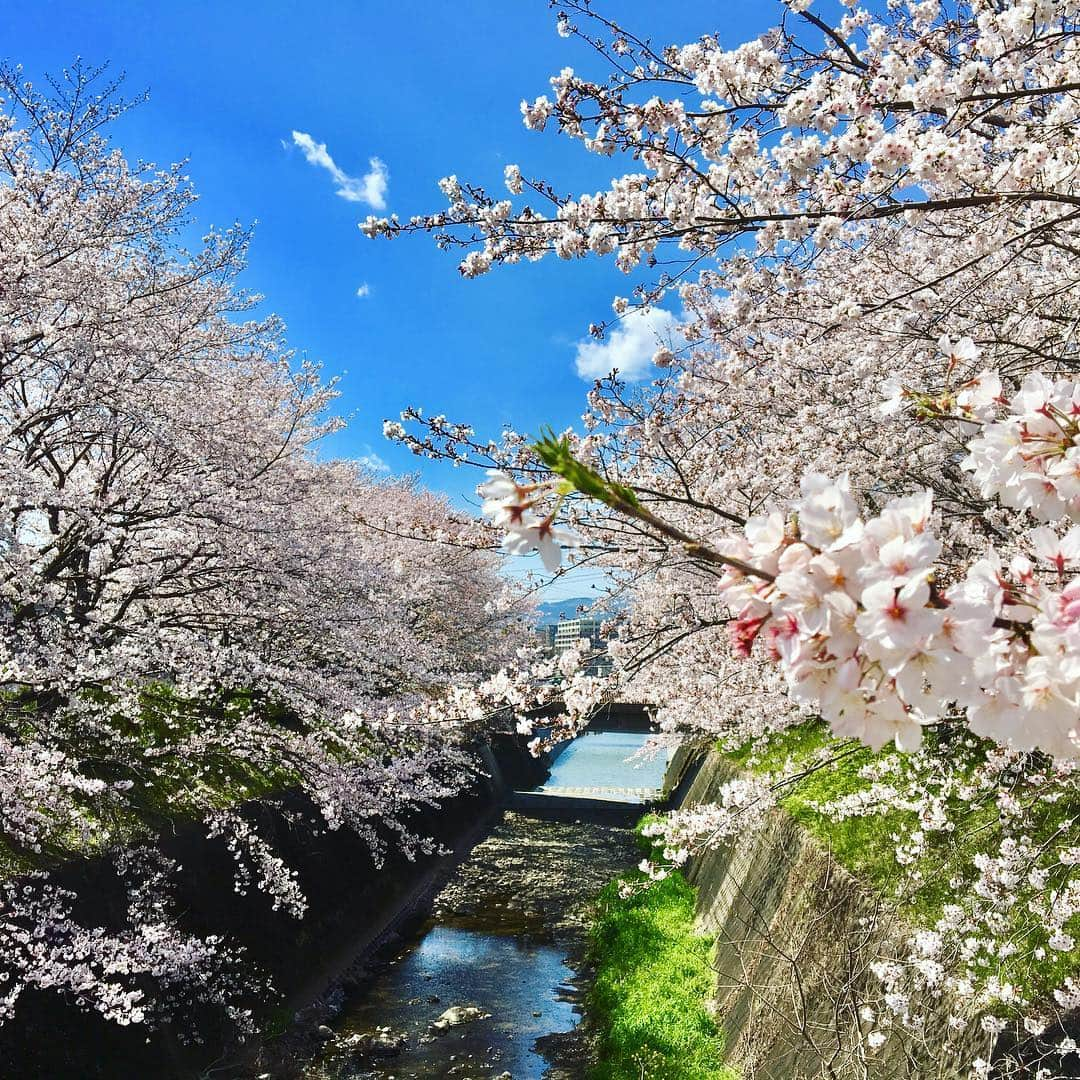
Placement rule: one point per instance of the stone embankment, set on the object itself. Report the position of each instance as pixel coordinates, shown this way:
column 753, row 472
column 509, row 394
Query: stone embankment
column 795, row 937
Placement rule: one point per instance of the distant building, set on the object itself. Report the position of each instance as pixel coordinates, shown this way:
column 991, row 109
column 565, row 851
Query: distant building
column 570, row 631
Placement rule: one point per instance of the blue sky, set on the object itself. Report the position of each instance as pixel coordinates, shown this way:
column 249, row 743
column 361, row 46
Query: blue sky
column 428, row 88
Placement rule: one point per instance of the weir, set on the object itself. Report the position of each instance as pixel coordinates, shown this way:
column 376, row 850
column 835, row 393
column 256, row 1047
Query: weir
column 594, row 779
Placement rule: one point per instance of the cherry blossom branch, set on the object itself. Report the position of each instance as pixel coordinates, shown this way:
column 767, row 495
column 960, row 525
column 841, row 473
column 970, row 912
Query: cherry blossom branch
column 556, row 454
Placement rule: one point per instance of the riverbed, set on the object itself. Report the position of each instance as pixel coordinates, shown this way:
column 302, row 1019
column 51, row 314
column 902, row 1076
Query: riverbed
column 489, row 982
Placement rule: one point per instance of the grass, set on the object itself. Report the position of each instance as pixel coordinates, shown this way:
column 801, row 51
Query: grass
column 864, row 845
column 653, row 980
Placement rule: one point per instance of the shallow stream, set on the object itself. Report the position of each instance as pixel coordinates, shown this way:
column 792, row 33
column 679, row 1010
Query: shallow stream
column 503, row 944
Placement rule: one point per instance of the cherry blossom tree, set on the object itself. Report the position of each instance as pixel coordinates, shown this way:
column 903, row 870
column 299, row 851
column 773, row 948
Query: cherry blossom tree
column 196, row 608
column 849, row 491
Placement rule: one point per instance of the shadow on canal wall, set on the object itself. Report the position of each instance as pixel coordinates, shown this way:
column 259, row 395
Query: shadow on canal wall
column 352, row 903
column 795, row 937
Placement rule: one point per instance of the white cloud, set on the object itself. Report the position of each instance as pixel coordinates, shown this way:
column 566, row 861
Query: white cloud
column 369, row 188
column 363, row 290
column 371, row 460
column 628, row 347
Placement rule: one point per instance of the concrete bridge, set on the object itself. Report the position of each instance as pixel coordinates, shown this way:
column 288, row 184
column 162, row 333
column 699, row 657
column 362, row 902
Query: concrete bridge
column 612, row 716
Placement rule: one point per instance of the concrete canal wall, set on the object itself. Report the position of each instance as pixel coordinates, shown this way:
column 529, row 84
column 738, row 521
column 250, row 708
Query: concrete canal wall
column 352, row 902
column 795, row 937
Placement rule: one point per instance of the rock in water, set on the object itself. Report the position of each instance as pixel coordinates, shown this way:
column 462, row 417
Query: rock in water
column 459, row 1014
column 386, row 1043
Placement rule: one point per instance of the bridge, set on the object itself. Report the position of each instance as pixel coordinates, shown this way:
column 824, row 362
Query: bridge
column 611, row 716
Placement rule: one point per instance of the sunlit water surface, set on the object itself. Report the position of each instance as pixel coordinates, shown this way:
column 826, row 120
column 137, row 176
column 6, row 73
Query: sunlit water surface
column 518, row 982
column 597, row 763
column 500, row 935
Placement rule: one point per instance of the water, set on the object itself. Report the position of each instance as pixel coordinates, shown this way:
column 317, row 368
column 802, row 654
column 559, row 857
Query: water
column 523, row 985
column 506, row 936
column 596, row 765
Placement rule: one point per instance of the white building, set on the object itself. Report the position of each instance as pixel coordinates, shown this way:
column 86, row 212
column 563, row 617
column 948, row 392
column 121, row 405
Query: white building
column 570, row 631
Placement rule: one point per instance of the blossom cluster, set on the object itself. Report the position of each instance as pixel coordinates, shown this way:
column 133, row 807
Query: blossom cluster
column 741, row 806
column 851, row 612
column 851, row 124
column 1030, row 458
column 512, row 506
column 47, row 947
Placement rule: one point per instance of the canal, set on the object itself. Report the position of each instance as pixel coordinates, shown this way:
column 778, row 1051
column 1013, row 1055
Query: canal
column 488, row 983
